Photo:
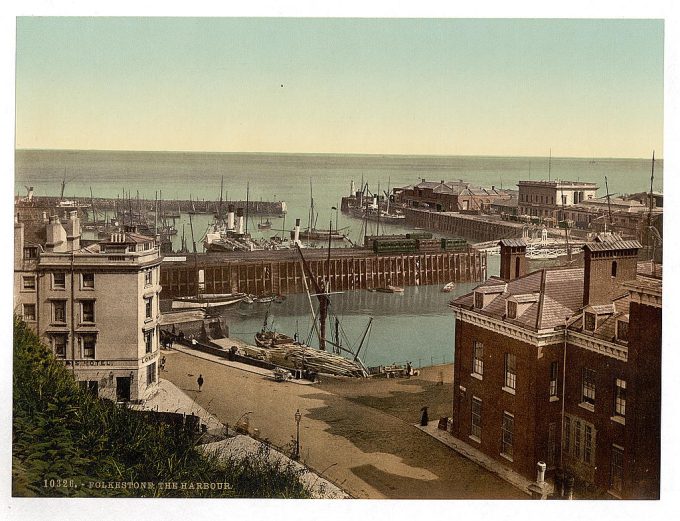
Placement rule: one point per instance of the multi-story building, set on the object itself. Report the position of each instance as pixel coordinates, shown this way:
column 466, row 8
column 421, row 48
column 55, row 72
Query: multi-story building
column 451, row 196
column 96, row 306
column 544, row 198
column 563, row 366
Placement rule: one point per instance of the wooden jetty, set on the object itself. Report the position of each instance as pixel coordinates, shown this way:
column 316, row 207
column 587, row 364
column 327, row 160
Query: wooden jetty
column 280, row 272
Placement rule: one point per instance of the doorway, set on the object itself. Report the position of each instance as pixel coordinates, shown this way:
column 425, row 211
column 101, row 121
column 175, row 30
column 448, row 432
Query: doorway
column 123, row 389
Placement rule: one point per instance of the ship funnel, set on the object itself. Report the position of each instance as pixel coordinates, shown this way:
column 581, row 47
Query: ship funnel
column 239, row 219
column 296, row 236
column 230, row 217
column 351, row 188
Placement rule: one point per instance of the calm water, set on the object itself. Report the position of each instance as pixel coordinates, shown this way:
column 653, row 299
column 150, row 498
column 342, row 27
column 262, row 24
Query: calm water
column 287, row 177
column 416, row 326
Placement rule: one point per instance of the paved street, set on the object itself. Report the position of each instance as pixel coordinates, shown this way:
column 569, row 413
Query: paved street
column 365, row 443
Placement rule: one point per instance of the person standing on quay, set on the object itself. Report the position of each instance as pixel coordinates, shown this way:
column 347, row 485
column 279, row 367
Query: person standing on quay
column 200, row 382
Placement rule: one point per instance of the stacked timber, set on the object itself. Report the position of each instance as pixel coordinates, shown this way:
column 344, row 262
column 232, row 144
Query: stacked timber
column 294, row 356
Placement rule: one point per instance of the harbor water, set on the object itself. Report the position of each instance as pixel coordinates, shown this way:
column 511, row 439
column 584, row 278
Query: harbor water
column 415, row 326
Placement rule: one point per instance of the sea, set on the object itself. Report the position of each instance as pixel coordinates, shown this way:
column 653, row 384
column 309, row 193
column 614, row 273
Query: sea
column 416, row 326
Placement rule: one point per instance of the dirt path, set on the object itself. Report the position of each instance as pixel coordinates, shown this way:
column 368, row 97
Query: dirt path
column 357, row 433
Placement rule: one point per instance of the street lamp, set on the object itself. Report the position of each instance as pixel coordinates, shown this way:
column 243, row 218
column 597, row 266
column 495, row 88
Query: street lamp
column 298, row 417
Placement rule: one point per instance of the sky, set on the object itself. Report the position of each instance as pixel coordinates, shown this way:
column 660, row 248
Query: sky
column 581, row 88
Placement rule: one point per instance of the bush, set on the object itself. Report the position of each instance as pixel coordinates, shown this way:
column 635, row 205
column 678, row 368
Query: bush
column 98, row 448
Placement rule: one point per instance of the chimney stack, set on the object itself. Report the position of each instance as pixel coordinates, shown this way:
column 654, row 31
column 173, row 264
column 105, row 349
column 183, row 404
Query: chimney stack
column 230, row 217
column 239, row 219
column 513, row 258
column 55, row 235
column 73, row 232
column 296, row 233
column 607, row 263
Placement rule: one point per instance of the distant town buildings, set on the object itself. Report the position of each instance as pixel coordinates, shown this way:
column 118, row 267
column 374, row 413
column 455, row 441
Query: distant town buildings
column 563, row 366
column 96, row 306
column 451, row 196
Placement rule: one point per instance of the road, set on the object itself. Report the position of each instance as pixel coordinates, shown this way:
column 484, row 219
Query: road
column 358, row 433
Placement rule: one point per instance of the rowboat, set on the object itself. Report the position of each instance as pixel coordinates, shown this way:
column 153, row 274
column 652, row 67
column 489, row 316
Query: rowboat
column 449, row 287
column 206, row 301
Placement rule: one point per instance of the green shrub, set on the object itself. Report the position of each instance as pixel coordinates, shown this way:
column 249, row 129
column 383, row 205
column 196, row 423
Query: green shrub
column 62, row 432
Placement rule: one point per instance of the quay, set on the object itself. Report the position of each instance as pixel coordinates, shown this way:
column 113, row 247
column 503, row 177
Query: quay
column 280, row 271
column 476, row 227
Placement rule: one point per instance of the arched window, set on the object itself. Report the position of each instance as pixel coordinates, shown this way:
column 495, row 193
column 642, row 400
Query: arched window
column 614, row 269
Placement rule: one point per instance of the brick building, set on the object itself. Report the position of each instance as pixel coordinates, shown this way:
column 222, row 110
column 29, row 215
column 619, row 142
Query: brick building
column 598, row 421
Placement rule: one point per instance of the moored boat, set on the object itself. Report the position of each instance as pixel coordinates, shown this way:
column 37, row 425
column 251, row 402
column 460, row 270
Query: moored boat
column 208, row 300
column 449, row 287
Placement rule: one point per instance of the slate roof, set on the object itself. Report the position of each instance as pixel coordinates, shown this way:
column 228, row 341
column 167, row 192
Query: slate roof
column 514, row 243
column 559, row 293
column 612, row 245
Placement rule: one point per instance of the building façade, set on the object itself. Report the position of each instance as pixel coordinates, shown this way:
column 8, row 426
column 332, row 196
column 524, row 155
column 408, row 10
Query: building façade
column 600, row 419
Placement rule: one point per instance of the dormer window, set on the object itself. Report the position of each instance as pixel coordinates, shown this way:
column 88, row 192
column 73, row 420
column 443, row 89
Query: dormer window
column 479, row 300
column 589, row 321
column 622, row 330
column 512, row 309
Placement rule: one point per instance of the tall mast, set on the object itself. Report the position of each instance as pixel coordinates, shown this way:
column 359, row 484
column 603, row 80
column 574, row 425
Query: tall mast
column 609, row 204
column 549, row 163
column 247, row 203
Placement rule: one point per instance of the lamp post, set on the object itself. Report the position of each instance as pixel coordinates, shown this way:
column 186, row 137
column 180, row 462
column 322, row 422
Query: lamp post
column 298, row 417
column 336, row 217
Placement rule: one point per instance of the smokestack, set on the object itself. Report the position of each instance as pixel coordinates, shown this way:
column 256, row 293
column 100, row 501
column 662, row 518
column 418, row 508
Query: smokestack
column 296, row 236
column 351, row 188
column 239, row 219
column 230, row 217
column 29, row 196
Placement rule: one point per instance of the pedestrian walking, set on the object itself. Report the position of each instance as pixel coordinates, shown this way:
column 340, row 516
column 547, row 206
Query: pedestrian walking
column 200, row 382
column 424, row 420
column 163, row 363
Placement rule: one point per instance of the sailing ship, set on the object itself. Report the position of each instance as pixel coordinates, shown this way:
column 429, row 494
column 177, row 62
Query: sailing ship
column 312, row 233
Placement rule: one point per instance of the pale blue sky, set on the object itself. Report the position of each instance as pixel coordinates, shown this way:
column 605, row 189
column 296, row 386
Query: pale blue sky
column 588, row 88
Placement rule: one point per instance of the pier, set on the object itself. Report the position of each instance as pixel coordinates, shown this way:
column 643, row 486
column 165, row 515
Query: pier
column 280, row 272
column 476, row 227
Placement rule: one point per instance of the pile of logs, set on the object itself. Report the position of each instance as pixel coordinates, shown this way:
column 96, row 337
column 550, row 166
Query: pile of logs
column 295, row 356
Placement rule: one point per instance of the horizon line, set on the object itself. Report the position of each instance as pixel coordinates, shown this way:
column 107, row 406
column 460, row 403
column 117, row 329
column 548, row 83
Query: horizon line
column 375, row 154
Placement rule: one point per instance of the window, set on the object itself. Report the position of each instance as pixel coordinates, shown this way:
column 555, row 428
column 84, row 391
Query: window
column 479, row 300
column 510, row 371
column 622, row 330
column 478, row 358
column 29, row 283
column 148, row 307
column 552, row 446
column 614, row 266
column 58, row 281
column 150, row 373
column 589, row 321
column 30, row 252
column 616, row 480
column 577, row 439
column 588, row 387
column 87, row 311
column 59, row 311
column 553, row 378
column 566, row 442
column 587, row 444
column 620, row 398
column 148, row 278
column 506, row 434
column 91, row 386
column 59, row 346
column 476, row 419
column 89, row 343
column 148, row 341
column 29, row 312
column 87, row 280
column 512, row 309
